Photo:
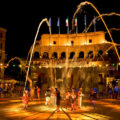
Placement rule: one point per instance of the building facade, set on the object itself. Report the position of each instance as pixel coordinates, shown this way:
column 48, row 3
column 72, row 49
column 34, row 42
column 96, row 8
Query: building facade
column 73, row 58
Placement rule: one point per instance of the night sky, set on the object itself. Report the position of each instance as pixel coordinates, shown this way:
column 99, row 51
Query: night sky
column 21, row 20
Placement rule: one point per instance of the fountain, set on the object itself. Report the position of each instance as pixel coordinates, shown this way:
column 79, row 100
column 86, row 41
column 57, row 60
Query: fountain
column 97, row 19
column 89, row 3
column 72, row 73
column 31, row 55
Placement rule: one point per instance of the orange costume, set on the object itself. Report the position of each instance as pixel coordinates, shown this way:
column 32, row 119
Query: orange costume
column 25, row 99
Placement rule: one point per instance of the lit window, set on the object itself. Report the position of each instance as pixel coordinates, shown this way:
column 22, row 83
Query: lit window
column 90, row 40
column 72, row 42
column 54, row 42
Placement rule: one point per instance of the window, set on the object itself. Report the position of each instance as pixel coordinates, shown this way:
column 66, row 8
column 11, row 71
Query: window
column 72, row 43
column 100, row 52
column 72, row 54
column 63, row 55
column 36, row 55
column 90, row 54
column 81, row 55
column 54, row 42
column 90, row 40
column 45, row 55
column 54, row 55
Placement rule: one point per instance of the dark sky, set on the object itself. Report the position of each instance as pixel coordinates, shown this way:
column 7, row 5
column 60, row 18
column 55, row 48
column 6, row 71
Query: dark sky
column 21, row 20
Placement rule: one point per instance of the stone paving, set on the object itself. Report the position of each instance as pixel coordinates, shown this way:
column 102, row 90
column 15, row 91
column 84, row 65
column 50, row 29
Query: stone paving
column 104, row 109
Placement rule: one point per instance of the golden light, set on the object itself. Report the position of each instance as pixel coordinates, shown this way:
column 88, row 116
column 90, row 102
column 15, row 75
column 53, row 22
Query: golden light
column 20, row 65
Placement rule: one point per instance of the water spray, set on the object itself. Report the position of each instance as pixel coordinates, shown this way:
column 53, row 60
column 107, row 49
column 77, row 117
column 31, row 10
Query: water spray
column 33, row 46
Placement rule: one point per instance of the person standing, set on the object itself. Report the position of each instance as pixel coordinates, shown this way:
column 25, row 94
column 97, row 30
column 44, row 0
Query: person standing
column 80, row 97
column 68, row 99
column 47, row 95
column 73, row 95
column 25, row 99
column 57, row 99
column 38, row 92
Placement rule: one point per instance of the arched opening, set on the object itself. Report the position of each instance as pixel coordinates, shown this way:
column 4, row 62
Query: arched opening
column 100, row 52
column 36, row 55
column 90, row 54
column 54, row 55
column 45, row 55
column 72, row 54
column 63, row 55
column 81, row 54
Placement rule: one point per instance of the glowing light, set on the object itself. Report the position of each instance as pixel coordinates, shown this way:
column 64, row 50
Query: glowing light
column 1, row 64
column 106, row 65
column 20, row 65
column 68, row 44
column 100, row 65
column 51, row 44
column 40, row 67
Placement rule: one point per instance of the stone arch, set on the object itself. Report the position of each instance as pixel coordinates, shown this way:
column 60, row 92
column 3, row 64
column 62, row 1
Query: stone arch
column 81, row 54
column 90, row 54
column 36, row 55
column 54, row 55
column 63, row 55
column 45, row 55
column 72, row 55
column 100, row 52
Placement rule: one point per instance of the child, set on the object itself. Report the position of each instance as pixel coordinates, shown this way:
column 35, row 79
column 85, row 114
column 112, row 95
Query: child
column 25, row 99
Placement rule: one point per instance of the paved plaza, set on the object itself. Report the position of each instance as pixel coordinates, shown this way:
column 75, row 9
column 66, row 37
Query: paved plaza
column 104, row 109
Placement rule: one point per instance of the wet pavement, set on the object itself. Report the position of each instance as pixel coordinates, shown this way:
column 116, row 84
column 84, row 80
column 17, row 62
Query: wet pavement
column 103, row 109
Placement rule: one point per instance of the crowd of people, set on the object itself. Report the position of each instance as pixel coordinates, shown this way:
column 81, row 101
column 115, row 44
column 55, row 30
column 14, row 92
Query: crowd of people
column 72, row 99
column 108, row 92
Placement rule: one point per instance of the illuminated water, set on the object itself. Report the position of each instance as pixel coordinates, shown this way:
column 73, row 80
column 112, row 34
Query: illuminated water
column 89, row 3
